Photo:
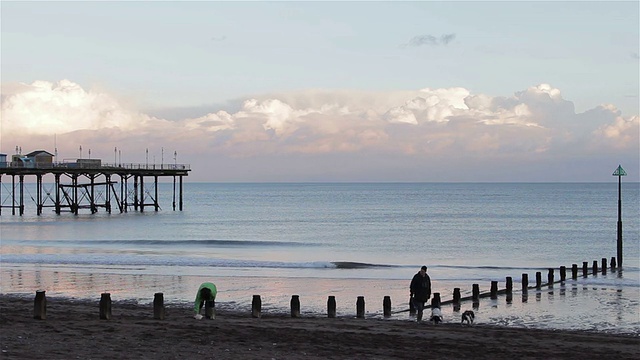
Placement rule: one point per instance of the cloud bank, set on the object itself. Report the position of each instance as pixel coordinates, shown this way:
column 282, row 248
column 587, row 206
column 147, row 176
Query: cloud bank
column 322, row 135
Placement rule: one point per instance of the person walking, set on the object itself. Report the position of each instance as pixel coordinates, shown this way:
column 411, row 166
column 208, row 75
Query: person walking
column 206, row 297
column 420, row 290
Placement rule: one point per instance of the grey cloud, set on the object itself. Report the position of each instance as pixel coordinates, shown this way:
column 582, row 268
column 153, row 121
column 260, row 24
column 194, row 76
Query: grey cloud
column 635, row 55
column 431, row 40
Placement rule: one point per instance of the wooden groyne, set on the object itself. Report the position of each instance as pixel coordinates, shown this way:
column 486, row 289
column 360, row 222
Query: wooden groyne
column 90, row 185
column 105, row 304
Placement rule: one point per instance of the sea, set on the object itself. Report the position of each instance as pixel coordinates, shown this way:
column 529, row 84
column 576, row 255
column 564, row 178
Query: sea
column 346, row 240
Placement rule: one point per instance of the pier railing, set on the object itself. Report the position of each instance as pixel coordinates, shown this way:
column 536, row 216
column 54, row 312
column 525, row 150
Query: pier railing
column 103, row 166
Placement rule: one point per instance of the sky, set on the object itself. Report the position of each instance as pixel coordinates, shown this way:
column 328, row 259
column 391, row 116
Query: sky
column 425, row 91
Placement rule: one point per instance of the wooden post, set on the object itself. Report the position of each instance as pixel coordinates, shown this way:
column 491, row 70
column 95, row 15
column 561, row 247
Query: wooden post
column 360, row 307
column 475, row 293
column 435, row 301
column 585, row 269
column 456, row 299
column 295, row 306
column 40, row 305
column 331, row 306
column 595, row 267
column 494, row 289
column 550, row 277
column 256, row 306
column 613, row 262
column 525, row 282
column 509, row 288
column 574, row 271
column 105, row 306
column 158, row 306
column 604, row 265
column 386, row 306
column 456, row 295
column 538, row 279
column 563, row 273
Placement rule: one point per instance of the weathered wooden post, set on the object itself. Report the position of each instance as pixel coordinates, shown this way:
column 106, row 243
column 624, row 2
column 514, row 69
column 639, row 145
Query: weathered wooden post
column 475, row 293
column 585, row 269
column 563, row 273
column 295, row 306
column 509, row 288
column 386, row 306
column 331, row 306
column 256, row 306
column 436, row 301
column 595, row 267
column 360, row 307
column 574, row 271
column 456, row 296
column 538, row 279
column 494, row 290
column 604, row 265
column 158, row 306
column 456, row 299
column 105, row 306
column 613, row 262
column 550, row 277
column 40, row 305
column 525, row 282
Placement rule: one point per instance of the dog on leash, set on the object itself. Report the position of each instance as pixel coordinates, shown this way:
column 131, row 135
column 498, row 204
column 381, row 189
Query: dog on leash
column 468, row 317
column 436, row 315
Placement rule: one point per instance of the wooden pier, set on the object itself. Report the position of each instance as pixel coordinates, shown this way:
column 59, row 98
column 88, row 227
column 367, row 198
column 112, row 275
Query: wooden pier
column 89, row 185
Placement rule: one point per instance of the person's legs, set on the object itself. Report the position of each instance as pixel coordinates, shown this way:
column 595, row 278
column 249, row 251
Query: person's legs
column 419, row 306
column 200, row 306
column 210, row 309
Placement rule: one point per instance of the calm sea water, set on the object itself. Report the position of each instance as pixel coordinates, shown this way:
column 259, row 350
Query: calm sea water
column 346, row 240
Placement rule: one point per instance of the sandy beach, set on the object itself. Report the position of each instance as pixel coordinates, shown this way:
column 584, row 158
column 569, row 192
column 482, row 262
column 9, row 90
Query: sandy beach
column 73, row 329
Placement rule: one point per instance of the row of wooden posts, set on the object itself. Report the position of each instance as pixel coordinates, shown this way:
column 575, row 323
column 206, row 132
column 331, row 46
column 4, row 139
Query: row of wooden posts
column 40, row 303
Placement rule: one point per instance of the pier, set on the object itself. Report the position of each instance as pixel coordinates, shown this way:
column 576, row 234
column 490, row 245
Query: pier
column 88, row 184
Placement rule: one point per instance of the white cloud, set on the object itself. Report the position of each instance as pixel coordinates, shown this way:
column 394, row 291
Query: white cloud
column 427, row 124
column 46, row 108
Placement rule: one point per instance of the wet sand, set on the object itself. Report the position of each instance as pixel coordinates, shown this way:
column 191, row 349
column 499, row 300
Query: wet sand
column 73, row 329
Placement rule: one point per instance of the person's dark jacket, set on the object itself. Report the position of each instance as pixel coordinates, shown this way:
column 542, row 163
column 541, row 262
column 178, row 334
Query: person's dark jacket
column 421, row 287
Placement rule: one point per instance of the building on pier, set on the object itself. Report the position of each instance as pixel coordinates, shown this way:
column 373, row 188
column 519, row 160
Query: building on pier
column 86, row 184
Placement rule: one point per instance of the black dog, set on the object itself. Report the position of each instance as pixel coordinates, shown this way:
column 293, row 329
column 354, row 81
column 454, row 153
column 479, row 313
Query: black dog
column 468, row 317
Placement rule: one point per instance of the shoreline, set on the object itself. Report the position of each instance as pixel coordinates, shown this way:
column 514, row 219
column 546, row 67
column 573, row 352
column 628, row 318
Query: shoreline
column 73, row 328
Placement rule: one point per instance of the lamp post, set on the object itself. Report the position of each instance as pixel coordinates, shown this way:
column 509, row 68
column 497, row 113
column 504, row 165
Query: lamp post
column 619, row 173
